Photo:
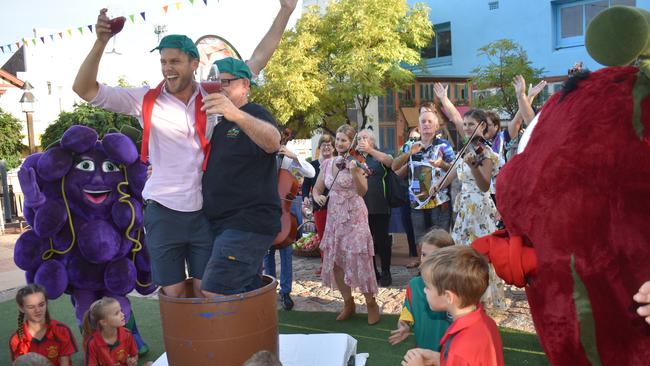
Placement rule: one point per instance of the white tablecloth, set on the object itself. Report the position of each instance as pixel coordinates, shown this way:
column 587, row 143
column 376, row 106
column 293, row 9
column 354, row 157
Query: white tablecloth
column 331, row 349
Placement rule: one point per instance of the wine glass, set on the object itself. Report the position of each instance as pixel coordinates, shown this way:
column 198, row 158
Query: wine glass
column 210, row 84
column 116, row 23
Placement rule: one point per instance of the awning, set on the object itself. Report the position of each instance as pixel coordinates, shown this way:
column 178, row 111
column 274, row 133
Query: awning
column 411, row 115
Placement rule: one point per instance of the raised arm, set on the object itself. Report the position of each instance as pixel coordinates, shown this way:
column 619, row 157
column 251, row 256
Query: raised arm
column 447, row 106
column 268, row 44
column 525, row 108
column 85, row 84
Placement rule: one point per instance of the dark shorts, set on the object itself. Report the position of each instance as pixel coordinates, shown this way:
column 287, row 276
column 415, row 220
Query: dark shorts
column 176, row 239
column 236, row 261
column 438, row 217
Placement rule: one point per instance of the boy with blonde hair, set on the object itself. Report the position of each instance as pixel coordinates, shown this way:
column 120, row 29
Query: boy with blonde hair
column 455, row 278
column 428, row 326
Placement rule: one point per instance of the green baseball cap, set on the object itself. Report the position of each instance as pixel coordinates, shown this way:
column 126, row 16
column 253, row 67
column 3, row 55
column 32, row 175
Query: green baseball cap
column 235, row 67
column 181, row 42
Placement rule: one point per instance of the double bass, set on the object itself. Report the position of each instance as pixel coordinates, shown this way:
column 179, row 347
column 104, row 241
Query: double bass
column 287, row 190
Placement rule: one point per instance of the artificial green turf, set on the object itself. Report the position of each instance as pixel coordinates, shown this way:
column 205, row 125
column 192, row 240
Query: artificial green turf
column 519, row 348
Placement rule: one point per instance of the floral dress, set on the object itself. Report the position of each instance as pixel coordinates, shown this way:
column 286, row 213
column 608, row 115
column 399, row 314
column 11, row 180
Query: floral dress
column 347, row 242
column 476, row 216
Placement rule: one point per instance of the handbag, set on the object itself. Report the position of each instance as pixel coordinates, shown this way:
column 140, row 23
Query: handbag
column 316, row 206
column 395, row 189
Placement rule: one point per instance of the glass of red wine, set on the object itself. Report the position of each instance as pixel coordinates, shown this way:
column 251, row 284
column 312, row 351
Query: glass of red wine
column 116, row 23
column 210, row 84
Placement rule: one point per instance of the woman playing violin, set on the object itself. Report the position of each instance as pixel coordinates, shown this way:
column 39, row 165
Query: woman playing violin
column 347, row 244
column 476, row 214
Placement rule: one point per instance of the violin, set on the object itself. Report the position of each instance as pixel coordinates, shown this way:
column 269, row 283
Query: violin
column 353, row 155
column 477, row 145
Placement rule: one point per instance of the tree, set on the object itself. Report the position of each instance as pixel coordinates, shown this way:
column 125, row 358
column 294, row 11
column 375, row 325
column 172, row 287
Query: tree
column 85, row 114
column 506, row 59
column 10, row 139
column 351, row 53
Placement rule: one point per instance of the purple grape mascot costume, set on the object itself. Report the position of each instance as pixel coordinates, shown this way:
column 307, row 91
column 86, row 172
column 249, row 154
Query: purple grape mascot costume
column 83, row 200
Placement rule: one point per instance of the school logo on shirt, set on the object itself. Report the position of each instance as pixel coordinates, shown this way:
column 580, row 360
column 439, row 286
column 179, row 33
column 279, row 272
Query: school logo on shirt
column 233, row 133
column 52, row 352
column 121, row 355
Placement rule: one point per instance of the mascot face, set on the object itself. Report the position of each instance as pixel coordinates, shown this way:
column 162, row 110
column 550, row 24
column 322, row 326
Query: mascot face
column 92, row 183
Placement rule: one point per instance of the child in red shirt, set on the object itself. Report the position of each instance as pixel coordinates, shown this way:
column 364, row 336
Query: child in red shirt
column 37, row 332
column 455, row 278
column 106, row 341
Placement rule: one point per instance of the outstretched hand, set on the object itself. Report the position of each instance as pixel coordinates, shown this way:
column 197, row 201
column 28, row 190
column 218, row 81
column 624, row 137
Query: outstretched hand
column 103, row 26
column 534, row 90
column 519, row 83
column 440, row 90
column 289, row 4
column 401, row 333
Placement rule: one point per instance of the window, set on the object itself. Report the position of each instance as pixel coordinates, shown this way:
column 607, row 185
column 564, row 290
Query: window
column 387, row 139
column 573, row 17
column 386, row 106
column 426, row 92
column 439, row 51
column 493, row 5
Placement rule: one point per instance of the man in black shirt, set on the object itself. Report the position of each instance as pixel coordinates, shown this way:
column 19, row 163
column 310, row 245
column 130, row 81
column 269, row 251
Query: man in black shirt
column 240, row 185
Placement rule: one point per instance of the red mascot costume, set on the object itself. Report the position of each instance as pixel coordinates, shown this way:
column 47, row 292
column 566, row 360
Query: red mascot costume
column 576, row 204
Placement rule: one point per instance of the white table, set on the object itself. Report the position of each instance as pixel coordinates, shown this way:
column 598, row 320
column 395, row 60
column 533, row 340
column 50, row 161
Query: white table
column 331, row 349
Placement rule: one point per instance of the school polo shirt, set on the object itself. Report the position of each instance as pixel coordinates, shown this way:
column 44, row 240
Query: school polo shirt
column 175, row 152
column 472, row 340
column 428, row 326
column 57, row 342
column 98, row 353
column 240, row 184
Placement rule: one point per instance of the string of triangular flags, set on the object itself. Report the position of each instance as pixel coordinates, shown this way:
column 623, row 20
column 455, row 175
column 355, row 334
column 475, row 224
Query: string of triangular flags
column 32, row 42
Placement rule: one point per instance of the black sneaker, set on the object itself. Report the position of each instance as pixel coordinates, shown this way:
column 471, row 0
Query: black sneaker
column 286, row 302
column 385, row 280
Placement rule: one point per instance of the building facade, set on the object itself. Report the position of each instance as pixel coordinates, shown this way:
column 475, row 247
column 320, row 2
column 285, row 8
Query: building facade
column 550, row 31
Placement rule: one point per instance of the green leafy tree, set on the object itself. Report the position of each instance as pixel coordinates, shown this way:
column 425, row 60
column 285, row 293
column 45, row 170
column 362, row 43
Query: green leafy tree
column 352, row 52
column 506, row 59
column 10, row 139
column 84, row 114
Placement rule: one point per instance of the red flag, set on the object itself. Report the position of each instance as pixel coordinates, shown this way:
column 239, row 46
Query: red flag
column 61, row 35
column 165, row 7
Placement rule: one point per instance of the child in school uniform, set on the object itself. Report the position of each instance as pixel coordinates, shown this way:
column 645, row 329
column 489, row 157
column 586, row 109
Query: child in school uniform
column 428, row 326
column 455, row 278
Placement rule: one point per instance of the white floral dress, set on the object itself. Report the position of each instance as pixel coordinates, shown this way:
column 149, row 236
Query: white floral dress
column 476, row 216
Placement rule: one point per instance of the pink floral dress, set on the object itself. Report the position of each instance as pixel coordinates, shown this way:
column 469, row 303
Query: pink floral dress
column 347, row 242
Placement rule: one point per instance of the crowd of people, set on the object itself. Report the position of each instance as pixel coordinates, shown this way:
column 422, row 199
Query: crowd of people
column 203, row 226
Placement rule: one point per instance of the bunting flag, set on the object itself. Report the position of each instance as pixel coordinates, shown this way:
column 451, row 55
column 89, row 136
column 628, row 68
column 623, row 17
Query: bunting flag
column 25, row 42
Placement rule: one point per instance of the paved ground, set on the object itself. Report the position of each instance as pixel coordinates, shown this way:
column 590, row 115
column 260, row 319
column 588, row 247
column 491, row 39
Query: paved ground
column 308, row 292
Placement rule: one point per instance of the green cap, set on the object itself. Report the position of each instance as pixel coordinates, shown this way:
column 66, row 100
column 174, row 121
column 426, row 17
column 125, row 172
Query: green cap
column 235, row 67
column 619, row 35
column 180, row 42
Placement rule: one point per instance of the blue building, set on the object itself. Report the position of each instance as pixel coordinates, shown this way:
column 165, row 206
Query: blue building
column 551, row 32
